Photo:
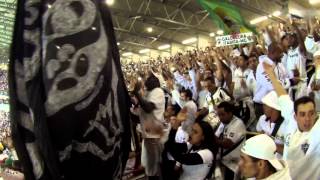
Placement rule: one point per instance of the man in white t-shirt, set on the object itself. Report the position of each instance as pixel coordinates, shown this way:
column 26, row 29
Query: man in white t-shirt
column 302, row 142
column 228, row 137
column 215, row 96
column 263, row 83
column 240, row 90
column 296, row 66
column 150, row 108
column 189, row 109
column 251, row 81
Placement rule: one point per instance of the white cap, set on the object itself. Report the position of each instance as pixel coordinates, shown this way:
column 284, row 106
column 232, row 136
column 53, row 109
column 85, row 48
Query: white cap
column 317, row 53
column 271, row 100
column 262, row 147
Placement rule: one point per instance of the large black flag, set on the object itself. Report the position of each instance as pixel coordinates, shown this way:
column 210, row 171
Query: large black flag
column 69, row 103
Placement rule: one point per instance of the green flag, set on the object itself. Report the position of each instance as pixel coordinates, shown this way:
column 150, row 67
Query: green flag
column 226, row 16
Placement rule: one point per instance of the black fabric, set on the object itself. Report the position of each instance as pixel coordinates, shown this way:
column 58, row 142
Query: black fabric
column 242, row 111
column 69, row 104
column 277, row 126
column 179, row 152
column 258, row 109
column 232, row 148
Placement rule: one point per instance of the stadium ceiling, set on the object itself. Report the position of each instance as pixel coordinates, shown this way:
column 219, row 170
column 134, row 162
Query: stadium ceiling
column 173, row 21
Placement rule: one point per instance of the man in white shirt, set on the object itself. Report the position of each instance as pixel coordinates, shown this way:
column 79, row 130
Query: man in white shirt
column 259, row 161
column 263, row 84
column 251, row 81
column 240, row 75
column 190, row 110
column 215, row 96
column 187, row 84
column 296, row 65
column 228, row 137
column 150, row 109
column 302, row 145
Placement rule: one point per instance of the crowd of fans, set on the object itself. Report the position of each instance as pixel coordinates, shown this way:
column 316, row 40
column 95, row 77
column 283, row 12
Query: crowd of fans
column 196, row 111
column 4, row 102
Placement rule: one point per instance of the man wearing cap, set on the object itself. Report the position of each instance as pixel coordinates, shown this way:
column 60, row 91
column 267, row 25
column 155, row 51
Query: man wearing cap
column 258, row 160
column 271, row 122
column 302, row 142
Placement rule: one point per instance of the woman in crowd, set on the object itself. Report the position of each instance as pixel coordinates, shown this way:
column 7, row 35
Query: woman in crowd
column 194, row 158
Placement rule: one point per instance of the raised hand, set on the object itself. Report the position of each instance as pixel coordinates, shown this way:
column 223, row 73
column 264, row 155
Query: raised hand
column 269, row 70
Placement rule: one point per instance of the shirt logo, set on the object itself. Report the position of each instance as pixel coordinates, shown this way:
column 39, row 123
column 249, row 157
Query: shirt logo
column 305, row 147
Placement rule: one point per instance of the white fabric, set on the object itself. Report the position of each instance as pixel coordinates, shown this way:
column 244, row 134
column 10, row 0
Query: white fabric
column 266, row 149
column 191, row 114
column 284, row 59
column 316, row 93
column 302, row 149
column 270, row 100
column 266, row 127
column 251, row 83
column 297, row 61
column 263, row 84
column 311, row 45
column 317, row 53
column 213, row 100
column 181, row 136
column 200, row 171
column 155, row 96
column 187, row 84
column 202, row 98
column 235, row 131
column 240, row 92
column 176, row 97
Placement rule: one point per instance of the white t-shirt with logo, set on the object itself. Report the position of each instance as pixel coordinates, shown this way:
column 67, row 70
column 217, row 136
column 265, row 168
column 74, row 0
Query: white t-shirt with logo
column 213, row 100
column 301, row 149
column 199, row 171
column 234, row 131
column 263, row 83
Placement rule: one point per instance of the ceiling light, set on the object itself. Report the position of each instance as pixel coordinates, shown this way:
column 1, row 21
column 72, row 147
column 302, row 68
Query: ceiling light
column 314, row 2
column 212, row 34
column 219, row 32
column 127, row 54
column 258, row 20
column 110, row 2
column 144, row 51
column 166, row 46
column 276, row 13
column 189, row 41
column 118, row 43
column 149, row 29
